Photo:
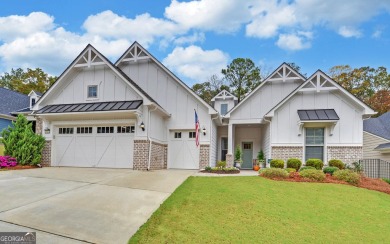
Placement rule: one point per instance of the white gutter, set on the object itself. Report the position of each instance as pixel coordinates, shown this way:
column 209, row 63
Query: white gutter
column 150, row 141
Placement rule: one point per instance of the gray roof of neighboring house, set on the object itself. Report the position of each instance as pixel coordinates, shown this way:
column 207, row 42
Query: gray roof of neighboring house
column 383, row 146
column 11, row 101
column 378, row 126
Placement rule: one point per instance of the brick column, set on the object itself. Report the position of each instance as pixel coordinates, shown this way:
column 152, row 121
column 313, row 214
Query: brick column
column 46, row 155
column 158, row 158
column 204, row 156
column 38, row 126
column 229, row 160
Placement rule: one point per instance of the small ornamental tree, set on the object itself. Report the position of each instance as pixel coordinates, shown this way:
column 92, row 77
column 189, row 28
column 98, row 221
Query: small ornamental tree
column 22, row 143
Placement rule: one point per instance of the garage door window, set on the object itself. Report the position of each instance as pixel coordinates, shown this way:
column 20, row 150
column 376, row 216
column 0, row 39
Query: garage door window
column 177, row 134
column 125, row 129
column 65, row 131
column 105, row 130
column 84, row 130
column 192, row 134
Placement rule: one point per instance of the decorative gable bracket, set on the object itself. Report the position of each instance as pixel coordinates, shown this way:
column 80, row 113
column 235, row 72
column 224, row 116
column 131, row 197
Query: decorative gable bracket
column 135, row 54
column 319, row 83
column 88, row 59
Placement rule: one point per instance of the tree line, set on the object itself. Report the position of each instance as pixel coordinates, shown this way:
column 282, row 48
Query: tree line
column 240, row 77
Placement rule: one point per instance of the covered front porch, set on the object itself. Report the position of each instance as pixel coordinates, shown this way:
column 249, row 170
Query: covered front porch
column 250, row 137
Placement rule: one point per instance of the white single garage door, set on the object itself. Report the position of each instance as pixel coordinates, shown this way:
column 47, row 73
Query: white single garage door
column 182, row 150
column 94, row 146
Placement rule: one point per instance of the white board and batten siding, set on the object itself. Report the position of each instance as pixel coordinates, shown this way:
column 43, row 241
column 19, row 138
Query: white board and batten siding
column 171, row 95
column 284, row 128
column 264, row 99
column 74, row 90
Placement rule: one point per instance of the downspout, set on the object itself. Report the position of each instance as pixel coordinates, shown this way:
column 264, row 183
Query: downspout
column 269, row 148
column 150, row 141
column 211, row 134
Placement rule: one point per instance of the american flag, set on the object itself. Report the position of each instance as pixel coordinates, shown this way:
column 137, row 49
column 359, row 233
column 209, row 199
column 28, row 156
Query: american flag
column 196, row 129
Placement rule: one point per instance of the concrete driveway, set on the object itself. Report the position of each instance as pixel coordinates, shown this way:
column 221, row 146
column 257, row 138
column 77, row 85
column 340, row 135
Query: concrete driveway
column 75, row 205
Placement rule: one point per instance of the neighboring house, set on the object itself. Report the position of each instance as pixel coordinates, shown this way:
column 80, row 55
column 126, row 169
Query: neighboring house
column 376, row 138
column 137, row 114
column 10, row 103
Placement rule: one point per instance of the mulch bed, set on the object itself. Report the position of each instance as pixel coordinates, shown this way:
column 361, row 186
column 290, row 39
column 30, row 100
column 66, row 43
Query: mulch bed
column 368, row 183
column 221, row 172
column 19, row 167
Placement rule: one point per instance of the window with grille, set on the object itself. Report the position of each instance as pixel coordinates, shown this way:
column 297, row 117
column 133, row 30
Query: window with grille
column 84, row 130
column 64, row 131
column 105, row 129
column 191, row 134
column 125, row 129
column 177, row 135
column 314, row 141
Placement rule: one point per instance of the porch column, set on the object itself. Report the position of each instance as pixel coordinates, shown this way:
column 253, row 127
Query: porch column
column 229, row 155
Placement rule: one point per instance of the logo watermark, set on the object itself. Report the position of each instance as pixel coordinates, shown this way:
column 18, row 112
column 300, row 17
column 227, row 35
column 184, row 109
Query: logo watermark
column 18, row 238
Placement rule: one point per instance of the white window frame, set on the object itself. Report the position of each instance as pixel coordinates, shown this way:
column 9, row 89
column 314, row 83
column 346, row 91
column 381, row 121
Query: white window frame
column 97, row 92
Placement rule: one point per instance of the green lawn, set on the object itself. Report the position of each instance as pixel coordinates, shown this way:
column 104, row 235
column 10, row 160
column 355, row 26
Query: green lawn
column 254, row 209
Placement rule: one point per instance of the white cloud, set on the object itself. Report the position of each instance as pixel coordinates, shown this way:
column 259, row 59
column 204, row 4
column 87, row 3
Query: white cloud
column 195, row 63
column 377, row 33
column 143, row 28
column 196, row 37
column 294, row 42
column 347, row 32
column 15, row 26
column 210, row 15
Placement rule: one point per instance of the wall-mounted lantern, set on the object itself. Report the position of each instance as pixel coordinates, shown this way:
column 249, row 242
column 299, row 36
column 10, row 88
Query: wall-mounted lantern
column 142, row 125
column 204, row 131
column 47, row 130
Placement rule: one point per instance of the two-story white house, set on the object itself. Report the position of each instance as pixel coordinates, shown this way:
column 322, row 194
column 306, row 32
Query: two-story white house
column 137, row 114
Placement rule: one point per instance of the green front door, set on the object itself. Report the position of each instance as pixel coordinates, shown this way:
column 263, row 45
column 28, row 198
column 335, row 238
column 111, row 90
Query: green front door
column 247, row 155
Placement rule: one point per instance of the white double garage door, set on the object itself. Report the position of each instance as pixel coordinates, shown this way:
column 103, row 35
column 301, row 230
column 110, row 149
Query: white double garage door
column 94, row 146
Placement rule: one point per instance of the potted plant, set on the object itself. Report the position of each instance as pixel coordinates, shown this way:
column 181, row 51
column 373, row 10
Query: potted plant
column 256, row 166
column 238, row 157
column 260, row 158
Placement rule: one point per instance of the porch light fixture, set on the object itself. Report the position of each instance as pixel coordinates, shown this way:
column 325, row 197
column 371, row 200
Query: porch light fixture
column 47, row 130
column 142, row 125
column 204, row 131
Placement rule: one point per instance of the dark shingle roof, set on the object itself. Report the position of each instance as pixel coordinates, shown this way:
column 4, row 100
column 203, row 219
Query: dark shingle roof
column 378, row 126
column 383, row 146
column 11, row 101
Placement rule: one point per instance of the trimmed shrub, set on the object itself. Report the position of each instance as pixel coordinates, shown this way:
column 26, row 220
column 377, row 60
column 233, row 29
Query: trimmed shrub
column 22, row 143
column 336, row 163
column 305, row 168
column 294, row 163
column 289, row 170
column 207, row 168
column 386, row 180
column 221, row 164
column 313, row 174
column 273, row 173
column 330, row 170
column 347, row 176
column 277, row 163
column 315, row 162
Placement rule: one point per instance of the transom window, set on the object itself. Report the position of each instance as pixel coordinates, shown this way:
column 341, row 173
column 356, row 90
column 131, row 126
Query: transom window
column 63, row 131
column 177, row 135
column 224, row 108
column 105, row 129
column 192, row 134
column 125, row 129
column 92, row 91
column 247, row 146
column 84, row 130
column 314, row 143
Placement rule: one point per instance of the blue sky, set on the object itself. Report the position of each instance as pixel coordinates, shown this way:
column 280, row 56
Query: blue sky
column 195, row 39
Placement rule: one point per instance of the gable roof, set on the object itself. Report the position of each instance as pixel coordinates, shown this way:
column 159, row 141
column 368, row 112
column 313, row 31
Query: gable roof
column 224, row 95
column 104, row 60
column 37, row 93
column 11, row 101
column 270, row 78
column 162, row 66
column 378, row 126
column 334, row 86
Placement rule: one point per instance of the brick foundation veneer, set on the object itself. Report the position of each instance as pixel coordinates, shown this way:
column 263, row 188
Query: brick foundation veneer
column 204, row 156
column 46, row 155
column 287, row 152
column 158, row 159
column 346, row 154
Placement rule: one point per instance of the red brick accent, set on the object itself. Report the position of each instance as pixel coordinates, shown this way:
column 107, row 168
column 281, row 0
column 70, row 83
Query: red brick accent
column 204, row 156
